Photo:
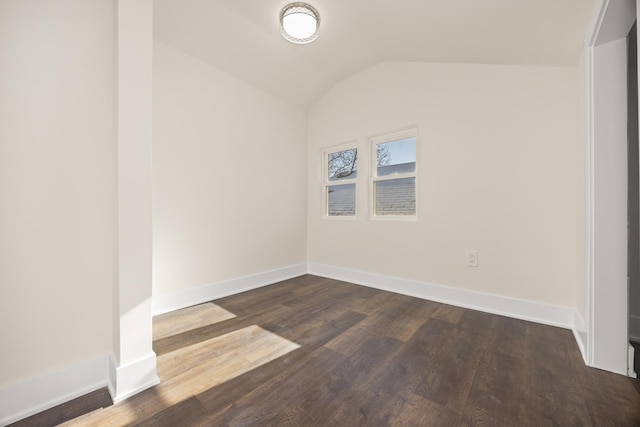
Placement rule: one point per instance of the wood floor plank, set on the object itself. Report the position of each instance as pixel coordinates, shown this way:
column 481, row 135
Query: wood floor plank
column 317, row 334
column 474, row 323
column 218, row 398
column 399, row 318
column 508, row 336
column 303, row 327
column 410, row 368
column 451, row 373
column 249, row 346
column 68, row 411
column 188, row 318
column 137, row 408
column 449, row 313
column 262, row 299
column 558, row 399
column 547, row 353
column 342, row 395
column 611, row 399
column 207, row 364
column 369, row 304
column 185, row 413
column 499, row 394
column 352, row 339
column 245, row 350
column 410, row 409
column 329, row 296
column 257, row 407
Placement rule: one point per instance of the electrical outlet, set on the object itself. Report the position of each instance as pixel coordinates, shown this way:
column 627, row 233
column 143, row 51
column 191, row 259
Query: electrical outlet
column 472, row 258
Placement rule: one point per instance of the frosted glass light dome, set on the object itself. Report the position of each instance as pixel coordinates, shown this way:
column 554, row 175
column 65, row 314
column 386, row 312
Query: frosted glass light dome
column 299, row 23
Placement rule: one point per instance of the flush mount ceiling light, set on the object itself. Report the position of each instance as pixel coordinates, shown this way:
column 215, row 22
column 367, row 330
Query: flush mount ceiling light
column 299, row 23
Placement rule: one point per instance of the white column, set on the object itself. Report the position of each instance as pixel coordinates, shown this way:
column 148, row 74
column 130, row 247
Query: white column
column 133, row 363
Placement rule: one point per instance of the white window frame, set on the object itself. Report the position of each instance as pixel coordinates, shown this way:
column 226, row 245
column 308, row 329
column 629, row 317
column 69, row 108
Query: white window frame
column 326, row 183
column 373, row 154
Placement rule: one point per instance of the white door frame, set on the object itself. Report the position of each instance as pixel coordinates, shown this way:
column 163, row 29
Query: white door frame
column 606, row 296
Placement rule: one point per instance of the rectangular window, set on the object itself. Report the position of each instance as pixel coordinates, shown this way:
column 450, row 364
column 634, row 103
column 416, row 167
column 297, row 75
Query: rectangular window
column 340, row 173
column 393, row 178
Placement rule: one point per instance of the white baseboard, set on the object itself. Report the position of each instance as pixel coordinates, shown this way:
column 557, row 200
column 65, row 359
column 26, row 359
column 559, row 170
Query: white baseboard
column 39, row 394
column 130, row 379
column 188, row 297
column 634, row 328
column 511, row 307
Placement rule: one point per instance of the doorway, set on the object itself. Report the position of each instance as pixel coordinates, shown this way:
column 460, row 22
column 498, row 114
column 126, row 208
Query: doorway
column 606, row 195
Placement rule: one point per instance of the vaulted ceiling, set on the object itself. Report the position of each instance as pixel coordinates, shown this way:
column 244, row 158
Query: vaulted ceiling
column 242, row 37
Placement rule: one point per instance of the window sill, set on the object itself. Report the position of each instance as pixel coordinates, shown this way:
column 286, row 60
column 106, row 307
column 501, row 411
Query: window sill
column 338, row 218
column 399, row 218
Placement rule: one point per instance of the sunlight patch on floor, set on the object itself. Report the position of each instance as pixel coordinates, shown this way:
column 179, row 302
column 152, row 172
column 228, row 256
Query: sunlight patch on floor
column 221, row 358
column 189, row 318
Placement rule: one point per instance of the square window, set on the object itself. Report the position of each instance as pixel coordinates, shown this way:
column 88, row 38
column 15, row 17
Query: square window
column 340, row 173
column 394, row 173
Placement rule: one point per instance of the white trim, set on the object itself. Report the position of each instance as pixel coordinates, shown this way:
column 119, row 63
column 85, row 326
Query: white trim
column 512, row 307
column 604, row 348
column 589, row 250
column 631, row 361
column 125, row 381
column 579, row 330
column 193, row 296
column 28, row 398
column 396, row 135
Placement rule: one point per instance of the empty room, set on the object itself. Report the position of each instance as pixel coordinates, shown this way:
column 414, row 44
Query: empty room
column 363, row 212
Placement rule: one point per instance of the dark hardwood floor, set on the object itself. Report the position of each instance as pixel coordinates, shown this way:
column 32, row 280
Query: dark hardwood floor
column 317, row 352
column 69, row 410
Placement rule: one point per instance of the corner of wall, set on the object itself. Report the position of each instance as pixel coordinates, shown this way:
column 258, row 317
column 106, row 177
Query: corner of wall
column 490, row 303
column 193, row 296
column 579, row 330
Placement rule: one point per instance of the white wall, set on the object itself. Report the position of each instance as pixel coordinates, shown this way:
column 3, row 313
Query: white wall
column 497, row 173
column 229, row 177
column 56, row 185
